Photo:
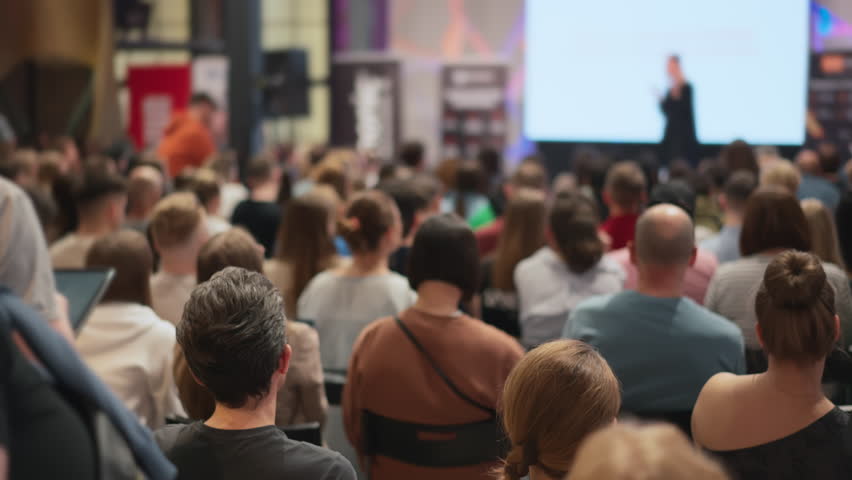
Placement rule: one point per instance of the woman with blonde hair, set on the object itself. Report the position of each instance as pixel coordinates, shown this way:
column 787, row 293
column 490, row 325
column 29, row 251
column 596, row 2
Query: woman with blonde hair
column 555, row 396
column 824, row 241
column 522, row 235
column 651, row 452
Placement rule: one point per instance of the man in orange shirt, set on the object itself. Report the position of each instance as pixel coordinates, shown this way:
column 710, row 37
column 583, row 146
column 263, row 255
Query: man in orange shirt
column 188, row 140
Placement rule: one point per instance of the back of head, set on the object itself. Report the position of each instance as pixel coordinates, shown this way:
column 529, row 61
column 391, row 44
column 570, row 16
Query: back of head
column 652, row 452
column 408, row 198
column 369, row 216
column 555, row 396
column 126, row 251
column 529, row 174
column 795, row 309
column 824, row 239
column 176, row 221
column 259, row 169
column 411, row 154
column 333, row 172
column 676, row 192
column 738, row 188
column 781, row 174
column 233, row 335
column 829, row 158
column 739, row 155
column 574, row 226
column 523, row 233
column 490, row 161
column 234, row 247
column 202, row 98
column 224, row 164
column 773, row 220
column 205, row 186
column 445, row 250
column 95, row 189
column 144, row 189
column 665, row 237
column 625, row 184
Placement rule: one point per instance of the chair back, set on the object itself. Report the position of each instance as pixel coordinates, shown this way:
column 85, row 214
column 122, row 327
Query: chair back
column 304, row 432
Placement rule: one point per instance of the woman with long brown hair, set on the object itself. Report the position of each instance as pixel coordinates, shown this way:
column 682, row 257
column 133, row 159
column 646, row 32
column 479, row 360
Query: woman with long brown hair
column 304, row 246
column 522, row 235
column 825, row 243
column 555, row 396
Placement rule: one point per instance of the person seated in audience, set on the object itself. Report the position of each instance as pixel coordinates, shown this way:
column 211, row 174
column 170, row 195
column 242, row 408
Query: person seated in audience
column 260, row 213
column 100, row 200
column 232, row 191
column 305, row 246
column 781, row 175
column 233, row 335
column 528, row 175
column 779, row 424
column 178, row 231
column 144, row 190
column 363, row 290
column 523, row 235
column 819, row 176
column 825, row 243
column 188, row 138
column 569, row 270
column 417, row 199
column 624, row 194
column 739, row 155
column 662, row 346
column 647, row 452
column 556, row 396
column 726, row 244
column 773, row 222
column 698, row 275
column 709, row 184
column 302, row 396
column 123, row 341
column 843, row 220
column 21, row 167
column 467, row 198
column 412, row 154
column 389, row 376
column 205, row 186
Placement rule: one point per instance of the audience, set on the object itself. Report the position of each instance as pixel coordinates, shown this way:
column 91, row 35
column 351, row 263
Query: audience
column 773, row 222
column 528, row 175
column 302, row 396
column 466, row 198
column 391, row 377
column 662, row 346
column 569, row 270
column 819, row 176
column 187, row 140
column 205, row 186
column 523, row 234
column 178, row 230
column 545, row 439
column 100, row 201
column 123, row 341
column 624, row 195
column 365, row 289
column 779, row 424
column 304, row 247
column 232, row 191
column 652, row 452
column 417, row 199
column 782, row 175
column 824, row 239
column 726, row 244
column 144, row 190
column 234, row 337
column 739, row 155
column 260, row 213
column 698, row 275
column 843, row 219
column 412, row 154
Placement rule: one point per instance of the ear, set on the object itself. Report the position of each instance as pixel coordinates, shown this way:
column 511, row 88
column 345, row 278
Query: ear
column 837, row 328
column 693, row 257
column 631, row 246
column 607, row 200
column 723, row 201
column 284, row 360
column 760, row 334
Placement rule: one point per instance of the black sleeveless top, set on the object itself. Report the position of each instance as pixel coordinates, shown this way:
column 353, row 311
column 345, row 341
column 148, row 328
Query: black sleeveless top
column 822, row 450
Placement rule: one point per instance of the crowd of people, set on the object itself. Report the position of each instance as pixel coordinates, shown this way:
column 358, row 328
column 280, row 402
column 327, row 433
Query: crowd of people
column 449, row 322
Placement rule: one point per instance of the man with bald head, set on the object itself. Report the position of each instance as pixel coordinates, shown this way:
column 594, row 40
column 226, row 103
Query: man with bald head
column 144, row 190
column 661, row 345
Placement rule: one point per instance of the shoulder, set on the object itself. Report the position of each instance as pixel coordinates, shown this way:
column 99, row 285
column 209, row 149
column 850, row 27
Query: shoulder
column 301, row 334
column 835, row 275
column 309, row 461
column 592, row 307
column 712, row 409
column 712, row 323
column 610, row 266
column 167, row 436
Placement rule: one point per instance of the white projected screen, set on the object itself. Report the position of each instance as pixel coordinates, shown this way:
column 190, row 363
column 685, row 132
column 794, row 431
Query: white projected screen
column 596, row 69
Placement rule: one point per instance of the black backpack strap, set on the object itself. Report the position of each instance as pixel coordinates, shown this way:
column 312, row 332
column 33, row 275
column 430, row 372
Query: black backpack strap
column 441, row 373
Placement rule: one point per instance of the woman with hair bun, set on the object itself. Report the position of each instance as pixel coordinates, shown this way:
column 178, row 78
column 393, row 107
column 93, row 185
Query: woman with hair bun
column 555, row 396
column 779, row 424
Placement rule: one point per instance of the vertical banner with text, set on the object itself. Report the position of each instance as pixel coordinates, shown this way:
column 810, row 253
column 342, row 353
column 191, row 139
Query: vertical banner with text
column 473, row 108
column 830, row 99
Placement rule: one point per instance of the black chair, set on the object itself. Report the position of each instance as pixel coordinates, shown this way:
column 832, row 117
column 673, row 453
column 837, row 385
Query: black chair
column 334, row 381
column 304, row 432
column 433, row 445
column 680, row 419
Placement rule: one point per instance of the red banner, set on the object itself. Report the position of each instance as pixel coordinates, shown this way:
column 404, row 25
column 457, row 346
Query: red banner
column 156, row 92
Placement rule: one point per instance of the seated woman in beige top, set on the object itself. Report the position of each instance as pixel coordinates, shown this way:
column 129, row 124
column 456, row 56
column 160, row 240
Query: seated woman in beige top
column 304, row 246
column 302, row 398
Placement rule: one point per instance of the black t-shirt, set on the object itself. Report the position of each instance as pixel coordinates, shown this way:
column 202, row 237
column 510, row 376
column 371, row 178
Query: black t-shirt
column 265, row 453
column 499, row 307
column 43, row 434
column 260, row 219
